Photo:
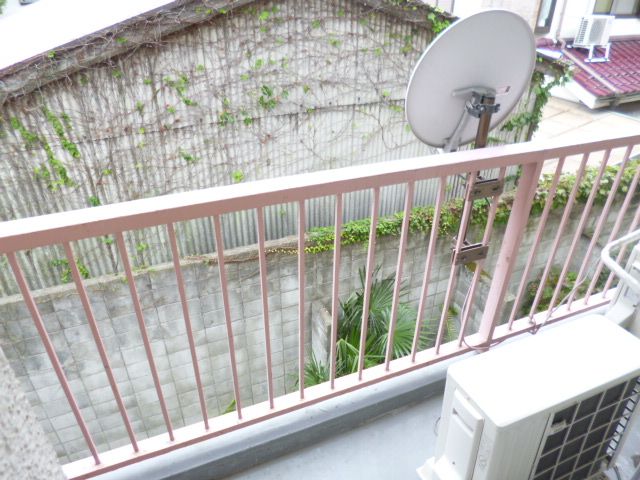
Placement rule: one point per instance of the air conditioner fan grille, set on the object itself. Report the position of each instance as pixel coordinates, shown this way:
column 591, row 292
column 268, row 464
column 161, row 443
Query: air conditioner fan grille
column 580, row 437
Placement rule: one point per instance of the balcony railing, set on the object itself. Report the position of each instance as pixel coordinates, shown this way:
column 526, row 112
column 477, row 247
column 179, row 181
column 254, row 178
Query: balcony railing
column 495, row 321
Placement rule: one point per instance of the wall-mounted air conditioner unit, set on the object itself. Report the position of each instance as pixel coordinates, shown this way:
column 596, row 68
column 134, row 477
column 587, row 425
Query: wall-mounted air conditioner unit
column 594, row 32
column 550, row 406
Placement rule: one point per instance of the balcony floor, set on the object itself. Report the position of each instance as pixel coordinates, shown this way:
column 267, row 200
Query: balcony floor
column 392, row 446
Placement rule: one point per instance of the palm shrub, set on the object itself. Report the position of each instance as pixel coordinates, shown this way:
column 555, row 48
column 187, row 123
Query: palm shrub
column 349, row 327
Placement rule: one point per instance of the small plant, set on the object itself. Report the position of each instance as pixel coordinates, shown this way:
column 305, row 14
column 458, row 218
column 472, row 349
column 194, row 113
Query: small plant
column 237, row 176
column 116, row 73
column 187, row 157
column 548, row 289
column 267, row 100
column 62, row 264
column 94, row 201
column 438, row 22
column 121, row 40
column 231, row 407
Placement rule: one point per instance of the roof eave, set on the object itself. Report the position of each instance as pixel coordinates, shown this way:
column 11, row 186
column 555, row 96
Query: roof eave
column 35, row 72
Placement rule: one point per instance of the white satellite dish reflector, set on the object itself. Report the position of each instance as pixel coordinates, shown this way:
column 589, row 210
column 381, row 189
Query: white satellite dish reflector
column 470, row 78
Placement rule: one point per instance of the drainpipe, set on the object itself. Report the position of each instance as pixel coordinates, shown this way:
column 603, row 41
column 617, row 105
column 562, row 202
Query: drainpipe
column 560, row 21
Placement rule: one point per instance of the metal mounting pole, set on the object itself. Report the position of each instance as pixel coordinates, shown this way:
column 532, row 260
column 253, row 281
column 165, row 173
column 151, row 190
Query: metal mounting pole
column 482, row 106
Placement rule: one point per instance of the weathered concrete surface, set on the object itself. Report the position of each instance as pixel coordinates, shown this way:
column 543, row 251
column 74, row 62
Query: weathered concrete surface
column 25, row 452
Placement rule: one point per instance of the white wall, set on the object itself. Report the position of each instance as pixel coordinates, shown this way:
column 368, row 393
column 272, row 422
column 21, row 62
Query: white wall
column 527, row 10
column 567, row 26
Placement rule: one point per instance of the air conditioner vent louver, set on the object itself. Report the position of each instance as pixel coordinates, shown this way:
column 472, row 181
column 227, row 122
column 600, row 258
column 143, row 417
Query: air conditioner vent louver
column 591, row 432
column 593, row 30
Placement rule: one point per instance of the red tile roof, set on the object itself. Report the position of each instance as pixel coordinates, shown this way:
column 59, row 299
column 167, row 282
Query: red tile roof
column 619, row 76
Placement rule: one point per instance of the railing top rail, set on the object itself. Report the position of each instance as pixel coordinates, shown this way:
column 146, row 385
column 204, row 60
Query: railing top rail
column 67, row 226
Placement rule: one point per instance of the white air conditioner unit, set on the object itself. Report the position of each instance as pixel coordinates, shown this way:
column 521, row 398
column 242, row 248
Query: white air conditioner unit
column 594, row 31
column 550, row 406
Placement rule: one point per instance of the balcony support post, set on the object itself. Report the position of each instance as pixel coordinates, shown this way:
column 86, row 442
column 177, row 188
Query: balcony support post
column 509, row 250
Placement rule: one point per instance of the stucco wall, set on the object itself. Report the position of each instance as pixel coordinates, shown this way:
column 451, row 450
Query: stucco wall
column 26, row 452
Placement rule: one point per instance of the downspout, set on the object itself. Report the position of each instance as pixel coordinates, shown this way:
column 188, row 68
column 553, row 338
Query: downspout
column 560, row 21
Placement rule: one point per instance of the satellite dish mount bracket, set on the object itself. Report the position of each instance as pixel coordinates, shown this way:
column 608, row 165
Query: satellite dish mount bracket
column 482, row 105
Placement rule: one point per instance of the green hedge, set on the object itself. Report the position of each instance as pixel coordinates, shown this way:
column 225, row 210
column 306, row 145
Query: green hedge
column 421, row 219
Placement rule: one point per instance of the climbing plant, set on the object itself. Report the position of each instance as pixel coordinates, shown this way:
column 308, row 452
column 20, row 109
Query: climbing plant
column 421, row 218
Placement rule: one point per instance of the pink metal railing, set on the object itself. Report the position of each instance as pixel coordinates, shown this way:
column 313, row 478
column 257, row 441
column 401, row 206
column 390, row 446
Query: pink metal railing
column 66, row 227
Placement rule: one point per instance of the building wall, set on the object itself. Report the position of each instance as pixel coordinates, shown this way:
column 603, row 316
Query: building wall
column 527, row 10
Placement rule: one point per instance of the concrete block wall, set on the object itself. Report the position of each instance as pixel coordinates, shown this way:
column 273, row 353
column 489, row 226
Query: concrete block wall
column 65, row 321
column 111, row 302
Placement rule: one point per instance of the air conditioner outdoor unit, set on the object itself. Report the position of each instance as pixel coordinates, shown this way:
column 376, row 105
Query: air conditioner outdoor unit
column 594, row 32
column 550, row 406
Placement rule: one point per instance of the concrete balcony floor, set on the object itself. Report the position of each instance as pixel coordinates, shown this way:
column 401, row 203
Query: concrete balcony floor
column 389, row 447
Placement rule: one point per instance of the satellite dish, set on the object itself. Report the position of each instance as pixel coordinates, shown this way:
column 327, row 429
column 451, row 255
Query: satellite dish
column 470, row 78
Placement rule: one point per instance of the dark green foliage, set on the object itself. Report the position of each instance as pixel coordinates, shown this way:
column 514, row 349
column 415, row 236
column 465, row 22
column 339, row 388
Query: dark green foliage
column 349, row 328
column 547, row 292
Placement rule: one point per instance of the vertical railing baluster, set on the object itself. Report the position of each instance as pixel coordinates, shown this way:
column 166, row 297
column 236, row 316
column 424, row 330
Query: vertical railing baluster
column 264, row 286
column 301, row 283
column 511, row 242
column 634, row 224
column 51, row 352
column 224, row 287
column 95, row 331
column 531, row 255
column 559, row 234
column 335, row 300
column 491, row 216
column 187, row 321
column 371, row 255
column 614, row 231
column 131, row 281
column 431, row 254
column 408, row 203
column 599, row 226
column 453, row 276
column 576, row 237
